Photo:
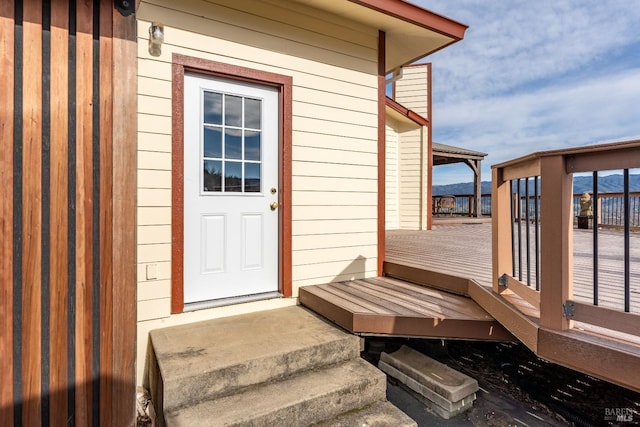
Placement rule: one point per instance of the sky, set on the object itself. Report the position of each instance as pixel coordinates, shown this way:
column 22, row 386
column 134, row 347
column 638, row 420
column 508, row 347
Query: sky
column 535, row 75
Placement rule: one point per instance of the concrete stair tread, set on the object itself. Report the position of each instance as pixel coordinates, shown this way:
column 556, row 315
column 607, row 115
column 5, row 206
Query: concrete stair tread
column 298, row 400
column 216, row 357
column 226, row 341
column 379, row 414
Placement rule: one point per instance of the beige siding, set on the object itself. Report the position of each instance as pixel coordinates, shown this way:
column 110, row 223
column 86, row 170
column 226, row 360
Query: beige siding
column 392, row 218
column 406, row 176
column 333, row 64
column 410, row 177
column 412, row 91
column 413, row 88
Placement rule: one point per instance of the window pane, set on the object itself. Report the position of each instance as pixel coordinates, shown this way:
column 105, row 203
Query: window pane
column 213, row 108
column 212, row 175
column 232, row 176
column 252, row 145
column 252, row 177
column 233, row 144
column 212, row 142
column 232, row 110
column 252, row 113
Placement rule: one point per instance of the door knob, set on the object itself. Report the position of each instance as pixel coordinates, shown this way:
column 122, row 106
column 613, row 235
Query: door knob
column 274, row 206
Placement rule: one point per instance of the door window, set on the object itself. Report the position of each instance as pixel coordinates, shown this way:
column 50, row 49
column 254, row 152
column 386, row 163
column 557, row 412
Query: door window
column 231, row 144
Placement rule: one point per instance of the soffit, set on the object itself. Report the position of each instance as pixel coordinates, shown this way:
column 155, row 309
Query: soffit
column 401, row 122
column 411, row 31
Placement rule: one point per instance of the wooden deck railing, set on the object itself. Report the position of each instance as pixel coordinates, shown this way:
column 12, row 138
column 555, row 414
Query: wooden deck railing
column 547, row 236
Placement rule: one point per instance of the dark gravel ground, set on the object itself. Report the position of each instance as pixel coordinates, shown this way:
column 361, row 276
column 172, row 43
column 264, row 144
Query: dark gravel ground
column 517, row 387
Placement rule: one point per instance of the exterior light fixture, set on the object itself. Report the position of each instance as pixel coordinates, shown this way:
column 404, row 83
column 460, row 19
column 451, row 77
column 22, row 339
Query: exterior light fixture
column 156, row 38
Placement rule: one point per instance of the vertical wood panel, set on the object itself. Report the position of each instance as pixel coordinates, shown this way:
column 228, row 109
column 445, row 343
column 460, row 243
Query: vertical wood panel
column 58, row 313
column 6, row 209
column 106, row 213
column 382, row 144
column 59, row 307
column 84, row 174
column 124, row 190
column 32, row 213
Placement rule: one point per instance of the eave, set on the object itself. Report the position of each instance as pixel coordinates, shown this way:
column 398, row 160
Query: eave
column 411, row 31
column 403, row 114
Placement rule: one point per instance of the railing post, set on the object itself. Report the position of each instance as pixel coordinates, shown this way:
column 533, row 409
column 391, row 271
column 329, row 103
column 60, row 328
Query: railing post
column 501, row 227
column 556, row 242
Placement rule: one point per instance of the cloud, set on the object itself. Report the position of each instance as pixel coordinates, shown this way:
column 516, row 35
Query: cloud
column 532, row 76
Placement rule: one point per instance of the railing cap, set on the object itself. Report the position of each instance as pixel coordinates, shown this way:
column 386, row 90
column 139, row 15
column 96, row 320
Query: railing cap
column 587, row 149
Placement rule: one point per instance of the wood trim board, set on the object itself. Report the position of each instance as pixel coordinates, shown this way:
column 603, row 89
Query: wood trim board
column 180, row 64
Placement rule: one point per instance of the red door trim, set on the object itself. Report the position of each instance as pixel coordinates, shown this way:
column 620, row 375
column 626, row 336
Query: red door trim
column 180, row 64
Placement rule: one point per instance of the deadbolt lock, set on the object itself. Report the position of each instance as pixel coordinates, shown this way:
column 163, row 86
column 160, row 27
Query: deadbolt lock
column 273, row 190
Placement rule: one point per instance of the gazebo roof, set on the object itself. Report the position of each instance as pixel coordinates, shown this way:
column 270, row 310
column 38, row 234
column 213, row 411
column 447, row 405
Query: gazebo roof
column 444, row 154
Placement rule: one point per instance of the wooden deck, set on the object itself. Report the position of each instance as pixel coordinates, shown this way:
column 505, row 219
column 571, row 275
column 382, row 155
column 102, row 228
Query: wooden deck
column 465, row 250
column 438, row 284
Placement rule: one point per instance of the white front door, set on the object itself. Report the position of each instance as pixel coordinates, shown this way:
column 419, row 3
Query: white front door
column 230, row 189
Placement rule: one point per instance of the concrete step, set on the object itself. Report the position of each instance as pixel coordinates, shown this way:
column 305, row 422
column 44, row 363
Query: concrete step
column 204, row 360
column 300, row 400
column 379, row 414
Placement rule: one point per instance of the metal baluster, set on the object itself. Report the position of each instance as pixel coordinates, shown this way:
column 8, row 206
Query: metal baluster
column 526, row 217
column 594, row 206
column 626, row 241
column 519, row 206
column 537, row 231
column 513, row 235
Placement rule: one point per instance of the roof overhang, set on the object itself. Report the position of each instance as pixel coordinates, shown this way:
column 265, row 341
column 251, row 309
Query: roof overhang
column 447, row 154
column 408, row 119
column 411, row 31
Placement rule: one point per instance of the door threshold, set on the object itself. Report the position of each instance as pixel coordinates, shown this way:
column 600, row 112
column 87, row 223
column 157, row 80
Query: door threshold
column 201, row 305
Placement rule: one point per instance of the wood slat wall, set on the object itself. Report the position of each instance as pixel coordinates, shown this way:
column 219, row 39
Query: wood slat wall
column 67, row 167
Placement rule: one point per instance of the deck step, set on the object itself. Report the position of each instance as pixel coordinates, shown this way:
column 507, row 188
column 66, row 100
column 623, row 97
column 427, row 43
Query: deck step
column 279, row 367
column 301, row 400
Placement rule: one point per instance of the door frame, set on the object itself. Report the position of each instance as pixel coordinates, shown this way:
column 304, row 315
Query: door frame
column 180, row 65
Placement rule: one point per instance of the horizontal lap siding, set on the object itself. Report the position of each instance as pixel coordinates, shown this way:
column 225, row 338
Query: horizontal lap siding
column 413, row 88
column 410, row 179
column 412, row 92
column 391, row 180
column 62, row 364
column 333, row 64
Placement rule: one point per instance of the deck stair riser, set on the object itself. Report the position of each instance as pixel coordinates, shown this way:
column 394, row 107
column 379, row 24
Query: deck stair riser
column 278, row 367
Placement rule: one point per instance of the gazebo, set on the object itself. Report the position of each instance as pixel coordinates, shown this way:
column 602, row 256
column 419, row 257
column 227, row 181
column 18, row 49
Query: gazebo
column 446, row 154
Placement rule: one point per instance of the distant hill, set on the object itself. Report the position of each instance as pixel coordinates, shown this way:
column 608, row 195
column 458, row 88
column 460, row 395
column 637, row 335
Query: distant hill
column 581, row 184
